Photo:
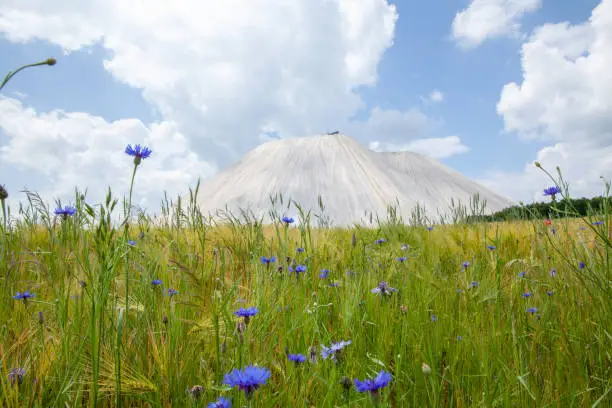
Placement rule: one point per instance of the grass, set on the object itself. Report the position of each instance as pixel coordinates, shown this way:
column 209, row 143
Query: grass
column 78, row 345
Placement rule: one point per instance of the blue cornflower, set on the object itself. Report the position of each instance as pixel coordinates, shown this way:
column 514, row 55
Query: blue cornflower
column 248, row 312
column 491, row 247
column 374, row 385
column 380, row 241
column 300, row 250
column 139, row 152
column 474, row 284
column 324, row 274
column 66, row 211
column 288, row 220
column 429, row 228
column 383, row 288
column 24, row 296
column 459, row 338
column 552, row 272
column 552, row 191
column 527, row 294
column 268, row 261
column 333, row 350
column 156, row 282
column 16, row 375
column 221, row 403
column 465, row 264
column 131, row 242
column 300, row 269
column 172, row 292
column 532, row 310
column 598, row 223
column 581, row 265
column 549, row 293
column 401, row 258
column 248, row 379
column 522, row 274
column 434, row 318
column 333, row 285
column 297, row 358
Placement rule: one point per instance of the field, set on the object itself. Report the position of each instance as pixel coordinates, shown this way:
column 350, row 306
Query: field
column 485, row 314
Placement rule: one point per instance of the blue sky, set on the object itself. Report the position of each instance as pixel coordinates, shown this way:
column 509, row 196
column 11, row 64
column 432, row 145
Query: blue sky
column 151, row 80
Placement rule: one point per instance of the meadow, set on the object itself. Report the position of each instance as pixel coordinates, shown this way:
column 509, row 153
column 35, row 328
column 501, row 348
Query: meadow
column 162, row 312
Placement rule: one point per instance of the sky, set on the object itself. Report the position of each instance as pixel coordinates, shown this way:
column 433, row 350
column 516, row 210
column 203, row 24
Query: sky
column 487, row 87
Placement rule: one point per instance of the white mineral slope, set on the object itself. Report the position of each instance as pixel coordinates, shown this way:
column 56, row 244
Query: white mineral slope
column 352, row 181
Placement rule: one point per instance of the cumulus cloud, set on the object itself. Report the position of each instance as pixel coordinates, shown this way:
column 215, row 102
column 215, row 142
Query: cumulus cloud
column 79, row 150
column 565, row 98
column 438, row 148
column 488, row 19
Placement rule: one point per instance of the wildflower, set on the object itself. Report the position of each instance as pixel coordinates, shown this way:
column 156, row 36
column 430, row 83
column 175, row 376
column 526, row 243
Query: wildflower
column 380, row 241
column 374, row 385
column 333, row 285
column 300, row 250
column 552, row 272
column 547, row 222
column 522, row 274
column 405, row 247
column 426, row 369
column 403, row 308
column 433, row 318
column 383, row 288
column 248, row 379
column 553, row 230
column 532, row 310
column 474, row 284
column 297, row 358
column 598, row 223
column 581, row 265
column 459, row 338
column 429, row 228
column 172, row 292
column 401, row 258
column 300, row 269
column 156, row 282
column 220, row 403
column 41, row 318
column 65, row 212
column 24, row 296
column 131, row 242
column 552, row 192
column 139, row 152
column 527, row 294
column 288, row 220
column 268, row 261
column 491, row 247
column 196, row 391
column 324, row 274
column 465, row 264
column 333, row 350
column 248, row 312
column 16, row 375
column 549, row 293
column 458, row 290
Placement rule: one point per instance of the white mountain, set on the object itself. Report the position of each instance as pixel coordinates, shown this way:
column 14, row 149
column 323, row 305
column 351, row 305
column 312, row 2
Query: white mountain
column 352, row 182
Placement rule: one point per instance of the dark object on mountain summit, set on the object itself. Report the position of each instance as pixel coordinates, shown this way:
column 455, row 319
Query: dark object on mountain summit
column 337, row 132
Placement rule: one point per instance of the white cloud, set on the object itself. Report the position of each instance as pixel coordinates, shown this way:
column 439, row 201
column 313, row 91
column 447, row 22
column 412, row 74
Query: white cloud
column 487, row 19
column 438, row 148
column 392, row 126
column 436, row 96
column 225, row 71
column 565, row 97
column 80, row 150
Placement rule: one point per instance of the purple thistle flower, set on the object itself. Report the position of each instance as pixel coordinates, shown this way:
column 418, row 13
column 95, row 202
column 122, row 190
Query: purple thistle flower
column 156, row 282
column 138, row 152
column 297, row 358
column 288, row 220
column 221, row 403
column 532, row 310
column 324, row 274
column 333, row 350
column 373, row 386
column 66, row 211
column 24, row 296
column 383, row 288
column 248, row 379
column 172, row 292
